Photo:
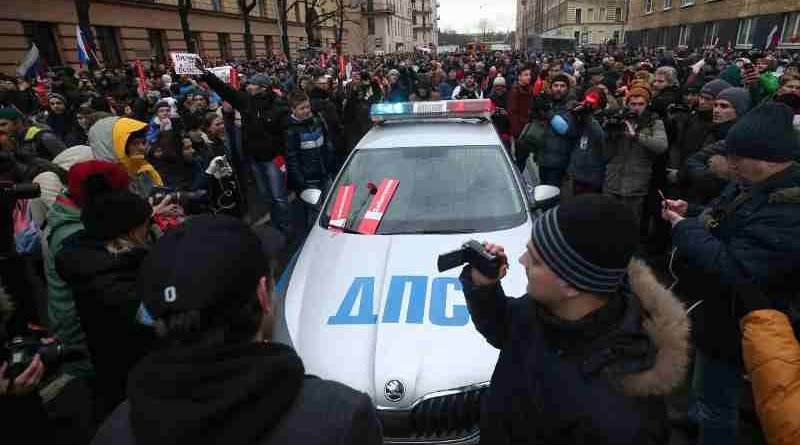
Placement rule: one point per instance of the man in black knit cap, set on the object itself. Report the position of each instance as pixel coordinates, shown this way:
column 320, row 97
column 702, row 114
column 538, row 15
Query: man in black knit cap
column 588, row 354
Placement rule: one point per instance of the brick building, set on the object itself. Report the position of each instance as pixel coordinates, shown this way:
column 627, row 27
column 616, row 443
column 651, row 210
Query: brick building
column 126, row 30
column 743, row 24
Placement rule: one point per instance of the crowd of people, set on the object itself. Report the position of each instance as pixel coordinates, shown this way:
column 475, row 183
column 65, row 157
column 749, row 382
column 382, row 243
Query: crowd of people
column 688, row 159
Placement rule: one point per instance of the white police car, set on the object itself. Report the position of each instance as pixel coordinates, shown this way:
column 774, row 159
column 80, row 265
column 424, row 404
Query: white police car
column 363, row 303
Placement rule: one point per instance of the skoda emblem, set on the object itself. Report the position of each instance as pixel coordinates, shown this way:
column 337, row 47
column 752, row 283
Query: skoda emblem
column 394, row 391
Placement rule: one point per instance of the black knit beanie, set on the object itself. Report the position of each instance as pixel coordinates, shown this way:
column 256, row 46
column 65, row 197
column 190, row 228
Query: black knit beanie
column 766, row 133
column 110, row 213
column 588, row 242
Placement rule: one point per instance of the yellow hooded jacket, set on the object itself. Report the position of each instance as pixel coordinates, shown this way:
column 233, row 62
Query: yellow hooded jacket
column 108, row 138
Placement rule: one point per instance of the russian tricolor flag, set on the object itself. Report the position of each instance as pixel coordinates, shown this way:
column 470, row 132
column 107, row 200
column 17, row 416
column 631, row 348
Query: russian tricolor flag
column 30, row 64
column 85, row 52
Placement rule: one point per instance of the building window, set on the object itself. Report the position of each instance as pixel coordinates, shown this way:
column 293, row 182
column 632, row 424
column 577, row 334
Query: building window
column 645, row 37
column 603, row 14
column 109, row 45
column 711, row 35
column 263, row 8
column 667, row 4
column 224, row 41
column 616, row 37
column 578, row 16
column 618, row 14
column 370, row 25
column 747, row 28
column 198, row 45
column 684, row 35
column 41, row 34
column 791, row 28
column 648, row 6
column 156, row 37
column 687, row 3
column 297, row 12
column 216, row 5
column 590, row 16
column 268, row 44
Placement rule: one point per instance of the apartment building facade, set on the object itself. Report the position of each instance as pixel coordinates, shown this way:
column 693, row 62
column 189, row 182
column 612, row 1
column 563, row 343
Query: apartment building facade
column 425, row 22
column 589, row 22
column 740, row 24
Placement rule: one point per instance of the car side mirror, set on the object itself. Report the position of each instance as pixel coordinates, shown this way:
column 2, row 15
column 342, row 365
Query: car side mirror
column 311, row 196
column 545, row 197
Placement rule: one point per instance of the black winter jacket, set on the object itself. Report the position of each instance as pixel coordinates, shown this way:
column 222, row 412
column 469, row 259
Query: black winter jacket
column 726, row 245
column 598, row 381
column 252, row 394
column 104, row 289
column 263, row 119
column 309, row 152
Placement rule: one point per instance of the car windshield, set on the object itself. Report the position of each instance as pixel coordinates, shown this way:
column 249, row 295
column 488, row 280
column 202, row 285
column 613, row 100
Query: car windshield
column 441, row 189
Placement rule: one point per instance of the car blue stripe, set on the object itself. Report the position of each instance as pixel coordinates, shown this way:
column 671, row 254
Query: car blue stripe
column 283, row 282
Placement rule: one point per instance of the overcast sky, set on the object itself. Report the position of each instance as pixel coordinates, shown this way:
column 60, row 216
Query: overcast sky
column 463, row 15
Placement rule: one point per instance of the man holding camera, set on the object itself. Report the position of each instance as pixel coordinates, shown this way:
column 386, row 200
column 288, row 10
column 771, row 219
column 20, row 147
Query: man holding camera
column 589, row 353
column 630, row 167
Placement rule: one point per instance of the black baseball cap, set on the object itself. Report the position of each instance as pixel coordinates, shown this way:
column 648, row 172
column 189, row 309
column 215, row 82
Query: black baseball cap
column 207, row 263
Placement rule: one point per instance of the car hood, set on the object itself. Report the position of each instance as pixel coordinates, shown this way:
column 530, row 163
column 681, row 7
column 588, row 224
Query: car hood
column 416, row 328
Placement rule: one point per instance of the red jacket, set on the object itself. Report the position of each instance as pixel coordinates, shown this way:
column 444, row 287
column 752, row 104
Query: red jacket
column 519, row 105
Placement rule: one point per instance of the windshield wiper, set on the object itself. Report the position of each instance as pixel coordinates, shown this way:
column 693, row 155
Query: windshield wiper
column 432, row 232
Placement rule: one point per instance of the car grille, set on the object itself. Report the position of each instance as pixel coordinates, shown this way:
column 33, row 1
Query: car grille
column 449, row 415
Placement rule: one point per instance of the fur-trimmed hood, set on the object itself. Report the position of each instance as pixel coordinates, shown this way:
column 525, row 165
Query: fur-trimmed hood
column 666, row 323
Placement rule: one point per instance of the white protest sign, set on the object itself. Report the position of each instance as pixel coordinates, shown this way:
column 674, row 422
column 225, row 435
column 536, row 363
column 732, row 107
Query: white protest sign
column 185, row 63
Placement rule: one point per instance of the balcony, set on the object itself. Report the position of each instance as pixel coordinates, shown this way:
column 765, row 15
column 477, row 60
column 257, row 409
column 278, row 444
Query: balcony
column 377, row 8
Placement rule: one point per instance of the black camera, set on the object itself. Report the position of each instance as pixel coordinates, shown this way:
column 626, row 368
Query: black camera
column 23, row 348
column 185, row 199
column 10, row 191
column 474, row 254
column 614, row 121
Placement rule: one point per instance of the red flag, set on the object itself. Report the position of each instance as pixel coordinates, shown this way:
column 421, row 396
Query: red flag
column 537, row 87
column 234, row 78
column 342, row 67
column 142, row 80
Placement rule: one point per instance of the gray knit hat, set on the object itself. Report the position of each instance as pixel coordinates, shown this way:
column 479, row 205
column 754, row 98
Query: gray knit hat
column 714, row 87
column 588, row 242
column 739, row 97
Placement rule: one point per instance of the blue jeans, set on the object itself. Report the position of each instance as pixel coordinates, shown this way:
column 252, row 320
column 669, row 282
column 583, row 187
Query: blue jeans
column 271, row 185
column 716, row 390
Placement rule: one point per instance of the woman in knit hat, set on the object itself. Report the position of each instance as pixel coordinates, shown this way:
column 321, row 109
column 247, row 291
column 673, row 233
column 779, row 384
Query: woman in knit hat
column 101, row 266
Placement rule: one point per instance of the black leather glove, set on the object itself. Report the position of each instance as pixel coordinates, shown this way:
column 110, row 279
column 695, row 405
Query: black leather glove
column 750, row 297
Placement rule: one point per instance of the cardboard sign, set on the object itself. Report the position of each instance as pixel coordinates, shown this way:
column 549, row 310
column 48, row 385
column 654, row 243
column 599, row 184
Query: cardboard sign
column 185, row 63
column 372, row 219
column 341, row 207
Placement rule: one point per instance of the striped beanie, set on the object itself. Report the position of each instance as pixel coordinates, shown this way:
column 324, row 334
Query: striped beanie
column 588, row 242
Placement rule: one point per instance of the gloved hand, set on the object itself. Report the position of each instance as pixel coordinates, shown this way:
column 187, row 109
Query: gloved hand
column 750, row 297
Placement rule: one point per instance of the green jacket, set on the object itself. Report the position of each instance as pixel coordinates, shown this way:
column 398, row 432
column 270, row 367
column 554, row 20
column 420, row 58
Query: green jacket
column 63, row 220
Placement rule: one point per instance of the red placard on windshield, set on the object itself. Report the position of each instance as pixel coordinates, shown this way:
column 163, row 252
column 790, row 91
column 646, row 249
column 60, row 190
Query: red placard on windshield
column 372, row 219
column 341, row 208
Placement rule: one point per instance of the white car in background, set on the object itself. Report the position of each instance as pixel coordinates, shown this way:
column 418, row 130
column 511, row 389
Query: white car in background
column 371, row 310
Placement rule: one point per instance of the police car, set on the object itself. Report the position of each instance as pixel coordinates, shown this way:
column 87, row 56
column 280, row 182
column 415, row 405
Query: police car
column 362, row 301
